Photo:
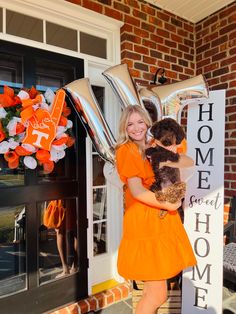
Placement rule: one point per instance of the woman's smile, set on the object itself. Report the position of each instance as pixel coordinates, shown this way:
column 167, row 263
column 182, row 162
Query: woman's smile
column 136, row 128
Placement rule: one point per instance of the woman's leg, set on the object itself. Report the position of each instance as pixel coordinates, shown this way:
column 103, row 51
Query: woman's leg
column 154, row 295
column 61, row 249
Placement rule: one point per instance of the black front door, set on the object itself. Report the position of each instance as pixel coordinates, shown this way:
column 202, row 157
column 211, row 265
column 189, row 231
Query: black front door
column 42, row 267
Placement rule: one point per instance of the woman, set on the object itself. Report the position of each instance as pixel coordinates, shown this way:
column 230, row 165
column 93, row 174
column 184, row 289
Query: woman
column 151, row 249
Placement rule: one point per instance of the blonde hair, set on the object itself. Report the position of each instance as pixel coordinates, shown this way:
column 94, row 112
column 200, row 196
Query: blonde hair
column 123, row 135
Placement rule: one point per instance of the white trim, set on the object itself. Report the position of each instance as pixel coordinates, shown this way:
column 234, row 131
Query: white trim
column 74, row 17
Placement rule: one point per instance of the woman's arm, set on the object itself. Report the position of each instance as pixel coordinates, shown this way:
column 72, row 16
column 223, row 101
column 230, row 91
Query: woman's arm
column 143, row 195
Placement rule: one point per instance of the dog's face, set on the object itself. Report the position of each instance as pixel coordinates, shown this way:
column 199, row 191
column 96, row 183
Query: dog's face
column 168, row 132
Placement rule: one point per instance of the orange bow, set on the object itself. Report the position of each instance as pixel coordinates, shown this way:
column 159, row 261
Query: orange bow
column 8, row 98
column 27, row 105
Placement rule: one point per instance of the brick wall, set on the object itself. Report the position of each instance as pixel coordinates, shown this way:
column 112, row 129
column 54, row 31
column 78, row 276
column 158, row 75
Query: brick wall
column 216, row 59
column 152, row 38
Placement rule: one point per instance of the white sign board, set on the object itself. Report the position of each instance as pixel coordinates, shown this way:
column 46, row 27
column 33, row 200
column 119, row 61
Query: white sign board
column 204, row 206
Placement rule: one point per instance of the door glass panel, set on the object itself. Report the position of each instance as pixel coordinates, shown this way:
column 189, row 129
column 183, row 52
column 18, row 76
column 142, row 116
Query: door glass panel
column 24, row 26
column 61, row 36
column 100, row 238
column 99, row 204
column 12, row 250
column 99, row 221
column 57, row 243
column 53, row 75
column 10, row 177
column 10, row 70
column 0, row 19
column 98, row 176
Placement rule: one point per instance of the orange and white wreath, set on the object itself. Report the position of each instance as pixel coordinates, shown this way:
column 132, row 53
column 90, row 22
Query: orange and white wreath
column 34, row 128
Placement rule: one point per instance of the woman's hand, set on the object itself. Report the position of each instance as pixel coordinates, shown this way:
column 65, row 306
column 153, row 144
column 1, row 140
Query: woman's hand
column 143, row 195
column 171, row 206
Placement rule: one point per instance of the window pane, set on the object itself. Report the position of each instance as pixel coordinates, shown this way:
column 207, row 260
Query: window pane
column 98, row 176
column 10, row 70
column 99, row 204
column 24, row 26
column 93, row 45
column 12, row 250
column 10, row 177
column 99, row 94
column 58, row 243
column 61, row 36
column 1, row 19
column 99, row 238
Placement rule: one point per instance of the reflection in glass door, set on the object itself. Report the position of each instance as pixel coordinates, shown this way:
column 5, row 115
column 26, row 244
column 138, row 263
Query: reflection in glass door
column 58, row 239
column 12, row 250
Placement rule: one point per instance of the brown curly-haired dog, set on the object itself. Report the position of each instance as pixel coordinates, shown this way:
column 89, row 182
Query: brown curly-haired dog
column 167, row 185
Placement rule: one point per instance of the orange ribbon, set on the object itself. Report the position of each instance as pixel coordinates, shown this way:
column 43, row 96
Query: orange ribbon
column 27, row 105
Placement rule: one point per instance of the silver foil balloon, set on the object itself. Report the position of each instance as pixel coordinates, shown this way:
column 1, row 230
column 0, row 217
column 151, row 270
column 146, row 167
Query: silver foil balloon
column 87, row 108
column 168, row 99
column 174, row 97
column 123, row 85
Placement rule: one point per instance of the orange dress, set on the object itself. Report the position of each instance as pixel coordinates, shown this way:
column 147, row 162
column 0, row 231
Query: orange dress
column 151, row 248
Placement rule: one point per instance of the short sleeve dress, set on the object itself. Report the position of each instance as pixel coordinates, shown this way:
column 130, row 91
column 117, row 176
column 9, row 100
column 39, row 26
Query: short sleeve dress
column 151, row 248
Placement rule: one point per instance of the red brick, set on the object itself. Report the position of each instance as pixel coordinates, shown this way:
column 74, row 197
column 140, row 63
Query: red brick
column 117, row 294
column 149, row 43
column 128, row 62
column 148, row 76
column 228, row 28
column 148, row 27
column 155, row 21
column 139, row 14
column 73, row 309
column 163, row 64
column 183, row 48
column 176, row 38
column 130, row 55
column 121, row 7
column 163, row 16
column 211, row 52
column 170, row 28
column 163, row 33
column 126, row 28
column 170, row 43
column 126, row 46
column 148, row 9
column 93, row 6
column 209, row 21
column 141, row 49
column 149, row 60
column 131, row 38
column 100, row 299
column 131, row 20
column 156, row 38
column 170, row 59
column 133, row 3
column 163, row 48
column 109, row 297
column 135, row 73
column 114, row 14
column 141, row 33
column 83, row 306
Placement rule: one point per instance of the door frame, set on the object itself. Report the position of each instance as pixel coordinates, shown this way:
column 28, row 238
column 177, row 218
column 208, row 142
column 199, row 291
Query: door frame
column 76, row 17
